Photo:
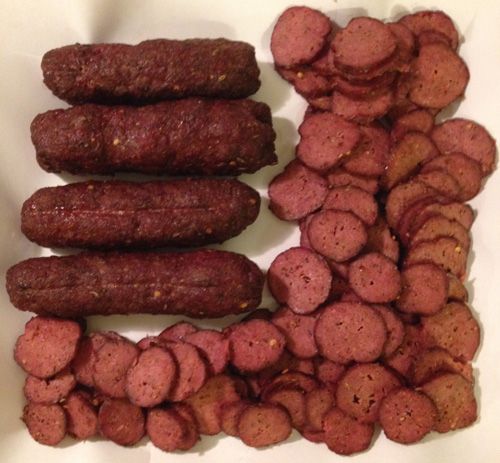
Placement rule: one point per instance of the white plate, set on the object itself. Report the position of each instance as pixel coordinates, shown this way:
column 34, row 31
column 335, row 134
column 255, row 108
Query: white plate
column 29, row 28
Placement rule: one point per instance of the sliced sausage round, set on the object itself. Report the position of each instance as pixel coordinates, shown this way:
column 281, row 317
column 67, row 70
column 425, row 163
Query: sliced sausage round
column 298, row 331
column 300, row 279
column 454, row 399
column 340, row 177
column 361, row 390
column 395, row 328
column 345, row 435
column 151, row 377
column 263, row 425
column 83, row 362
column 81, row 415
column 338, row 235
column 47, row 346
column 318, row 403
column 325, row 139
column 49, row 391
column 299, row 35
column 166, row 428
column 292, row 399
column 424, row 289
column 375, row 278
column 121, row 422
column 467, row 137
column 355, row 200
column 296, row 192
column 214, row 346
column 406, row 416
column 230, row 415
column 347, row 331
column 46, row 423
column 255, row 345
column 178, row 331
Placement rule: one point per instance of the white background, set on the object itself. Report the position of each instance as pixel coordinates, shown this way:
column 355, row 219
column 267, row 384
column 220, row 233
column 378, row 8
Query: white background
column 29, row 28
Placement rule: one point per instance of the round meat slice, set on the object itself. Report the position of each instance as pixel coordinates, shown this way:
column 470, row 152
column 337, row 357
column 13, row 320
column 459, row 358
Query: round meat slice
column 395, row 328
column 307, row 82
column 47, row 346
column 81, row 415
column 292, row 399
column 337, row 235
column 438, row 226
column 375, row 278
column 230, row 416
column 405, row 40
column 192, row 436
column 355, row 200
column 84, row 360
column 465, row 170
column 166, row 428
column 340, row 177
column 300, row 278
column 191, row 368
column 345, row 435
column 469, row 138
column 434, row 21
column 347, row 331
column 456, row 290
column 178, row 331
column 381, row 240
column 298, row 331
column 406, row 416
column 325, row 139
column 424, row 289
column 151, row 377
column 317, row 437
column 296, row 192
column 454, row 399
column 419, row 120
column 263, row 425
column 293, row 379
column 444, row 183
column 401, row 197
column 436, row 360
column 363, row 44
column 440, row 77
column 428, row 37
column 255, row 345
column 209, row 400
column 49, row 391
column 318, row 403
column 214, row 346
column 444, row 252
column 370, row 158
column 460, row 212
column 408, row 153
column 361, row 390
column 112, row 361
column 299, row 35
column 454, row 329
column 362, row 110
column 46, row 423
column 121, row 422
column 329, row 372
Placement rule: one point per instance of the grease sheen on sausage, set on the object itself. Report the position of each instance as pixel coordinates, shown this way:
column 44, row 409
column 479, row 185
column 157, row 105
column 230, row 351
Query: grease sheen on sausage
column 203, row 283
column 151, row 70
column 187, row 212
column 185, row 137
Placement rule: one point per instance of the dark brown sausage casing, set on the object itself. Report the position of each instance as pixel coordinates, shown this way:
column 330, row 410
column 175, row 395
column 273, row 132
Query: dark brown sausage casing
column 205, row 283
column 184, row 137
column 183, row 212
column 152, row 70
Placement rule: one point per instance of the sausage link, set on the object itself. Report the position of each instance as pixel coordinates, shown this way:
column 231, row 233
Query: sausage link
column 187, row 212
column 205, row 283
column 184, row 137
column 151, row 70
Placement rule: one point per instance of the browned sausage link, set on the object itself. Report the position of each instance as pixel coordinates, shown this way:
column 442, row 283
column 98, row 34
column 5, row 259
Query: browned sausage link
column 188, row 212
column 185, row 137
column 204, row 283
column 151, row 70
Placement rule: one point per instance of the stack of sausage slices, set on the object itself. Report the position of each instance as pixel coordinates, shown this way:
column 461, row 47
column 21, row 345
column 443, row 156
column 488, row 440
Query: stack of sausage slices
column 379, row 190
